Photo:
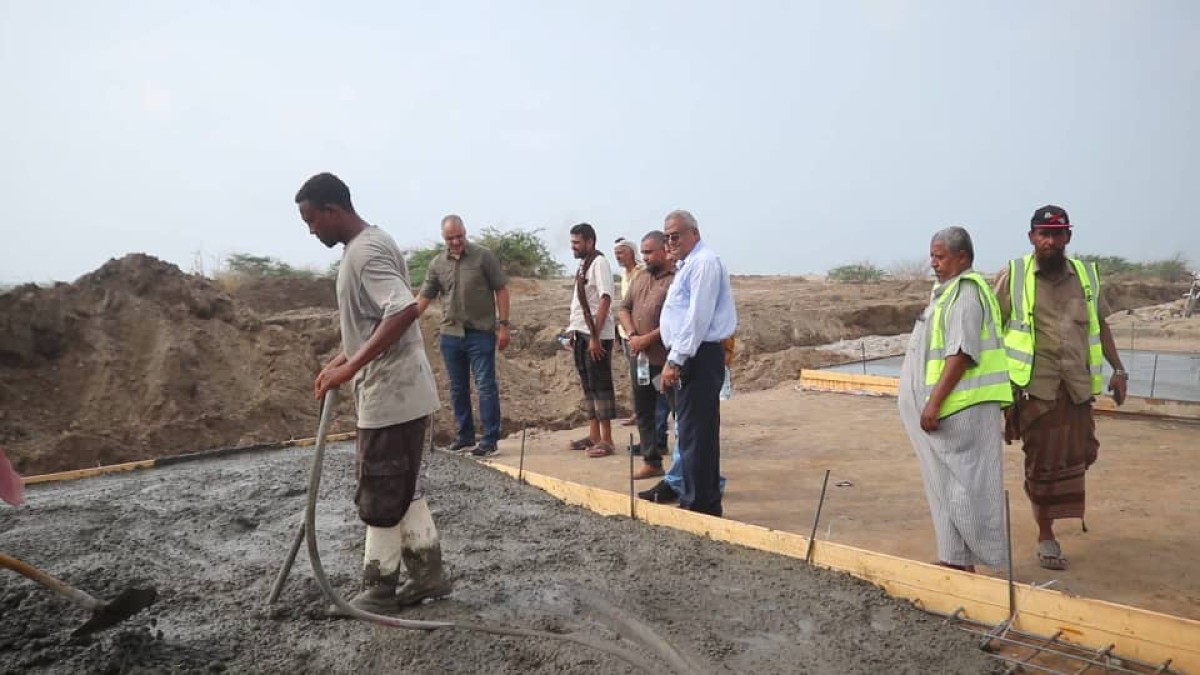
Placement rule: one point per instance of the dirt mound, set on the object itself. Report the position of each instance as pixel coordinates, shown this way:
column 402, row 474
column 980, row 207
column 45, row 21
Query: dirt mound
column 272, row 295
column 138, row 355
column 138, row 358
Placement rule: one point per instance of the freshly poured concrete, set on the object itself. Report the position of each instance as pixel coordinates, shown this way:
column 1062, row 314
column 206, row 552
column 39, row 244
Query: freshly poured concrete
column 211, row 537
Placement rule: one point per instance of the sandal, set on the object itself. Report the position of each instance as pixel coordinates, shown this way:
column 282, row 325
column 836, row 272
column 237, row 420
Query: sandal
column 1050, row 556
column 581, row 444
column 600, row 449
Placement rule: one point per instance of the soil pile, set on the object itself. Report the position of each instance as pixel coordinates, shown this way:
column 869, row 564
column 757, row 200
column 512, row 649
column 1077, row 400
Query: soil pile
column 212, row 535
column 138, row 359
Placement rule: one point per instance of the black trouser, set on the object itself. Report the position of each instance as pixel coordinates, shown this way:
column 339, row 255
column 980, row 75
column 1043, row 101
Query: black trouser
column 645, row 402
column 698, row 416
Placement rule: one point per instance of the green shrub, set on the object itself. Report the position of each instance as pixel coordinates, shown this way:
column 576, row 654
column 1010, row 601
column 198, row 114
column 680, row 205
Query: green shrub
column 1174, row 268
column 265, row 266
column 522, row 253
column 857, row 273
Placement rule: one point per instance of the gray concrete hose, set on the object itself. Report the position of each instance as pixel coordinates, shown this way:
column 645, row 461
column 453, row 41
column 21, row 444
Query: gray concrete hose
column 675, row 660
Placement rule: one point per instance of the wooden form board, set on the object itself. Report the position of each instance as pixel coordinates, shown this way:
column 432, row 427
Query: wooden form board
column 1149, row 636
column 826, row 380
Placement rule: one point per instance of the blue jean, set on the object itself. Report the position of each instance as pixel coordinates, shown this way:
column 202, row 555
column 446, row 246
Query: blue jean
column 475, row 353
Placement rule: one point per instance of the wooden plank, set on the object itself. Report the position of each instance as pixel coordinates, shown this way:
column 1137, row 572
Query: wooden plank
column 1135, row 406
column 828, row 380
column 1137, row 633
column 87, row 473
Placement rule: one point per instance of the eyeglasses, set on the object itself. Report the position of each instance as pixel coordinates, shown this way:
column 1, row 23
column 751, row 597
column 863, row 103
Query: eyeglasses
column 673, row 236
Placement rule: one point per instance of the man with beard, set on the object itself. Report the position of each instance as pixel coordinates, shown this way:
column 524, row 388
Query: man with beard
column 639, row 316
column 1056, row 338
column 591, row 334
column 394, row 394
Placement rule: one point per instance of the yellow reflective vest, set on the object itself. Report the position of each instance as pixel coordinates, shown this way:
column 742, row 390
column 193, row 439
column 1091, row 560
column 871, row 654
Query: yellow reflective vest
column 986, row 381
column 1019, row 332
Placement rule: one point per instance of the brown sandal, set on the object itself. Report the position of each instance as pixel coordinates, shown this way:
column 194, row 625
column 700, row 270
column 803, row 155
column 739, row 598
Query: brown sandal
column 581, row 444
column 600, row 449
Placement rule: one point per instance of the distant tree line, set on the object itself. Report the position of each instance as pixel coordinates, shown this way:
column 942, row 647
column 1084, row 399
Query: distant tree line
column 1175, row 268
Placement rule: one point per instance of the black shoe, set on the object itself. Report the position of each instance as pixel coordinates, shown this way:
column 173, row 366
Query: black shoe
column 457, row 447
column 484, row 450
column 661, row 493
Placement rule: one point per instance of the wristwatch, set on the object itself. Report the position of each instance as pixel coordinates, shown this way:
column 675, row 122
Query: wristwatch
column 1121, row 373
column 503, row 322
column 674, row 365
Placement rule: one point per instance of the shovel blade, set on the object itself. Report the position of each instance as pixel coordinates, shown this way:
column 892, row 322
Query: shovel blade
column 122, row 607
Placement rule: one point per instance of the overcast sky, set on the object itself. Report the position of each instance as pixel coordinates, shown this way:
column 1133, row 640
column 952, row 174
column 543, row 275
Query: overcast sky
column 803, row 135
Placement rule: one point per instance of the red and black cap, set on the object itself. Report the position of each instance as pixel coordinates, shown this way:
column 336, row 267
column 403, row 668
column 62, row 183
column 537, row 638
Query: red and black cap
column 1050, row 216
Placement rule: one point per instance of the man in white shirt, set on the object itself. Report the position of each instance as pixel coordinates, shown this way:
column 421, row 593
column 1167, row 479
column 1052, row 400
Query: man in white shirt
column 591, row 333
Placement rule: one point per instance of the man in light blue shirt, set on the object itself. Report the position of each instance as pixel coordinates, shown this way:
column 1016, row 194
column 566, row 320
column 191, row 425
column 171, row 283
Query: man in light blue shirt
column 698, row 314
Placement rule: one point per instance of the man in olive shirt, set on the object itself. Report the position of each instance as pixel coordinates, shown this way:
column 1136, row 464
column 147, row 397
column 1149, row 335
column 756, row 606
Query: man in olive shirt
column 475, row 287
column 639, row 313
column 1056, row 338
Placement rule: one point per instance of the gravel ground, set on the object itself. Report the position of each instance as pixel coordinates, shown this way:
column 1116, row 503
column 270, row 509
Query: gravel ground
column 211, row 536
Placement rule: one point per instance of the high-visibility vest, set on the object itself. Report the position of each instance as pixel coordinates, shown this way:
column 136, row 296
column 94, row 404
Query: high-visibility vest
column 986, row 381
column 1019, row 332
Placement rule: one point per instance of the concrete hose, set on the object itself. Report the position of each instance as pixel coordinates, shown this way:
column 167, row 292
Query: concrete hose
column 314, row 556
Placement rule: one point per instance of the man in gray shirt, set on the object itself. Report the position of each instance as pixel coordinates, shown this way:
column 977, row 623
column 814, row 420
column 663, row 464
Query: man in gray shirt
column 394, row 394
column 475, row 291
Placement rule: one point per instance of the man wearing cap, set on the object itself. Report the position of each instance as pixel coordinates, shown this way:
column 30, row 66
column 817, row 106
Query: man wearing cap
column 625, row 252
column 1056, row 339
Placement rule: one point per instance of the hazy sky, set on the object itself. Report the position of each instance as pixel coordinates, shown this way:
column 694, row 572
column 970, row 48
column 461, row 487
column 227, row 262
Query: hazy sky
column 802, row 135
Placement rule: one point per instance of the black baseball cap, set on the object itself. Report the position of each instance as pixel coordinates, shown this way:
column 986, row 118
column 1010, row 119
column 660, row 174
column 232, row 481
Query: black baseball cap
column 1050, row 216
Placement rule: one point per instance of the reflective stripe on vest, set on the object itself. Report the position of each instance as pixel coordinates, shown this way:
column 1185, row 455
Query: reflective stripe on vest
column 986, row 381
column 1019, row 331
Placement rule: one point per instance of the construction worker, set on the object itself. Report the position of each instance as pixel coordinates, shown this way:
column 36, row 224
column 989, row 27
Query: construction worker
column 384, row 355
column 1056, row 339
column 953, row 384
column 12, row 488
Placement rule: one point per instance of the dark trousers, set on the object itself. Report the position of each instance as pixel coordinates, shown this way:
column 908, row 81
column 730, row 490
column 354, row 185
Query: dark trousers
column 698, row 415
column 645, row 405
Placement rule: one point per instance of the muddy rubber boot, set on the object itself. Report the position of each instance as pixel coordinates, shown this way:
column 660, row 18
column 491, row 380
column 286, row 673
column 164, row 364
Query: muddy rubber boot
column 381, row 572
column 422, row 553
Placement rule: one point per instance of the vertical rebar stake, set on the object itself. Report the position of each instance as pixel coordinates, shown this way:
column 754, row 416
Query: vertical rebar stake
column 632, row 497
column 521, row 462
column 1012, row 587
column 1154, row 375
column 816, row 519
column 863, row 344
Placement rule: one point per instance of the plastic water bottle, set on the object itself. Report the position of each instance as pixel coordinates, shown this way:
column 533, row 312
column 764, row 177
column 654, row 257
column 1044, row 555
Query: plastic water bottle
column 727, row 387
column 643, row 369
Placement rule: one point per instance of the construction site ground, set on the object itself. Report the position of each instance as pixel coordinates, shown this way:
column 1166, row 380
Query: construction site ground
column 1143, row 502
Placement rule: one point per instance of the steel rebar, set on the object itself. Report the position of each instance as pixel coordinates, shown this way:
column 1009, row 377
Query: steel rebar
column 812, row 535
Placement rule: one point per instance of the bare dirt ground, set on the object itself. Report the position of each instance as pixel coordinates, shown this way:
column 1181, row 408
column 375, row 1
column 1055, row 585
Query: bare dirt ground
column 1143, row 500
column 138, row 358
column 211, row 536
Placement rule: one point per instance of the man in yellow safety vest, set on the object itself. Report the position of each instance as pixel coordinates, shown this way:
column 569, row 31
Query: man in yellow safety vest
column 953, row 384
column 1056, row 339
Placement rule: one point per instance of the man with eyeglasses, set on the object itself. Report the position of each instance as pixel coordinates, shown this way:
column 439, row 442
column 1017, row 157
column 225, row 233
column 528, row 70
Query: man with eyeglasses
column 474, row 325
column 639, row 315
column 697, row 315
column 1056, row 339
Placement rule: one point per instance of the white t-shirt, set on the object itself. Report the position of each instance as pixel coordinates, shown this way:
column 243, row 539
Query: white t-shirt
column 372, row 284
column 599, row 284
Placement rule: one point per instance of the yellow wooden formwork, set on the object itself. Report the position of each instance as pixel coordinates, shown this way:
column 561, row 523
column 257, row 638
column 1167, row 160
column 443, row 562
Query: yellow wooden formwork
column 876, row 385
column 1140, row 634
